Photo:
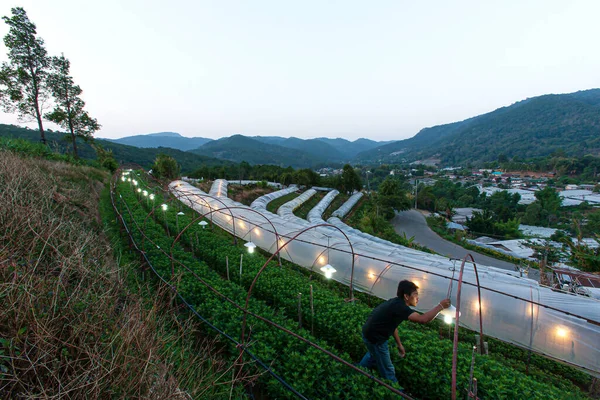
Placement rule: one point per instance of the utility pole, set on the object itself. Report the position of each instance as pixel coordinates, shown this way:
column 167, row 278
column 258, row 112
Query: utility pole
column 368, row 187
column 416, row 191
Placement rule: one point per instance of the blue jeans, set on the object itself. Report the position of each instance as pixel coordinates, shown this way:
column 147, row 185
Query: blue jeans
column 378, row 355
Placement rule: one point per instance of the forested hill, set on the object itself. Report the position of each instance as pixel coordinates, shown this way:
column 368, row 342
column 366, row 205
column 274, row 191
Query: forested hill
column 123, row 153
column 534, row 127
column 163, row 139
column 241, row 148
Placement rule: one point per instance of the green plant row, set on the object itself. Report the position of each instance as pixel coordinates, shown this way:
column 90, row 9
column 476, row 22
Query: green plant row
column 307, row 369
column 274, row 205
column 304, row 209
column 337, row 202
column 339, row 323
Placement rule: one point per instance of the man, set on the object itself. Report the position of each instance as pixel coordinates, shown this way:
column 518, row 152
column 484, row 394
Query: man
column 383, row 322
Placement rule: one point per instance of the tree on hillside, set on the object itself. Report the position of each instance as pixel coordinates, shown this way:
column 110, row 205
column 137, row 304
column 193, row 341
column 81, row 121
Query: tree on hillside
column 22, row 79
column 592, row 224
column 503, row 204
column 390, row 197
column 106, row 158
column 244, row 168
column 286, row 179
column 165, row 167
column 306, row 177
column 350, row 180
column 425, row 198
column 550, row 203
column 68, row 111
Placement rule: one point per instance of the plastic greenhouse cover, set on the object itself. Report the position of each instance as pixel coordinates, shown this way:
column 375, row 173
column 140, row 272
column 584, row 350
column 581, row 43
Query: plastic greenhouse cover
column 347, row 206
column 314, row 215
column 245, row 182
column 260, row 203
column 513, row 309
column 287, row 210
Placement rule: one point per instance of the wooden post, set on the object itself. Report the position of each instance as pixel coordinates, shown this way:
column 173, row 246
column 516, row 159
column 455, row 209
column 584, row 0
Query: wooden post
column 312, row 312
column 595, row 387
column 227, row 266
column 241, row 259
column 471, row 372
column 299, row 310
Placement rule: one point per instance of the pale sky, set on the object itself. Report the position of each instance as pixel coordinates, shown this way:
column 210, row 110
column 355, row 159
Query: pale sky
column 376, row 69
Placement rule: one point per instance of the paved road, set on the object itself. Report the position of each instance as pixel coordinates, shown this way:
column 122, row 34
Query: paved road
column 413, row 223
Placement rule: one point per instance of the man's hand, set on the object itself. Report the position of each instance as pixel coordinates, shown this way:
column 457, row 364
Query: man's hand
column 401, row 351
column 445, row 303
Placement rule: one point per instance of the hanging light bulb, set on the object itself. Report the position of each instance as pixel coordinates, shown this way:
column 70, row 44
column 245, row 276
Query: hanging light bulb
column 151, row 196
column 328, row 270
column 164, row 207
column 449, row 314
column 250, row 246
column 203, row 224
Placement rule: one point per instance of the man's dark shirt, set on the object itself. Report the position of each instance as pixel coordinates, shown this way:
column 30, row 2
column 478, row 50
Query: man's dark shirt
column 384, row 319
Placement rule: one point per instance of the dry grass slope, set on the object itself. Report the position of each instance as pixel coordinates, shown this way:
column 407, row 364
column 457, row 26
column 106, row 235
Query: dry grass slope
column 70, row 325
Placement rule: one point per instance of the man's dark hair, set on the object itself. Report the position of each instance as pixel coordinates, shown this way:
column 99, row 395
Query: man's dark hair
column 406, row 287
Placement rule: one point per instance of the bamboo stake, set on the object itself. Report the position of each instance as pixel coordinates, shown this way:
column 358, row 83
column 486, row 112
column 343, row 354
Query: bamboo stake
column 241, row 258
column 299, row 310
column 471, row 372
column 312, row 312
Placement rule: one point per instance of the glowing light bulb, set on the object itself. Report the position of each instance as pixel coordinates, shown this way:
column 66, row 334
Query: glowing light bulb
column 561, row 332
column 328, row 270
column 250, row 246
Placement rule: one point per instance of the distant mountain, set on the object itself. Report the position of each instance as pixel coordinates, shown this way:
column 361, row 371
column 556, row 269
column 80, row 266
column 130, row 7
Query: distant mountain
column 328, row 149
column 316, row 148
column 242, row 148
column 163, row 139
column 122, row 153
column 533, row 127
column 350, row 149
column 278, row 140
